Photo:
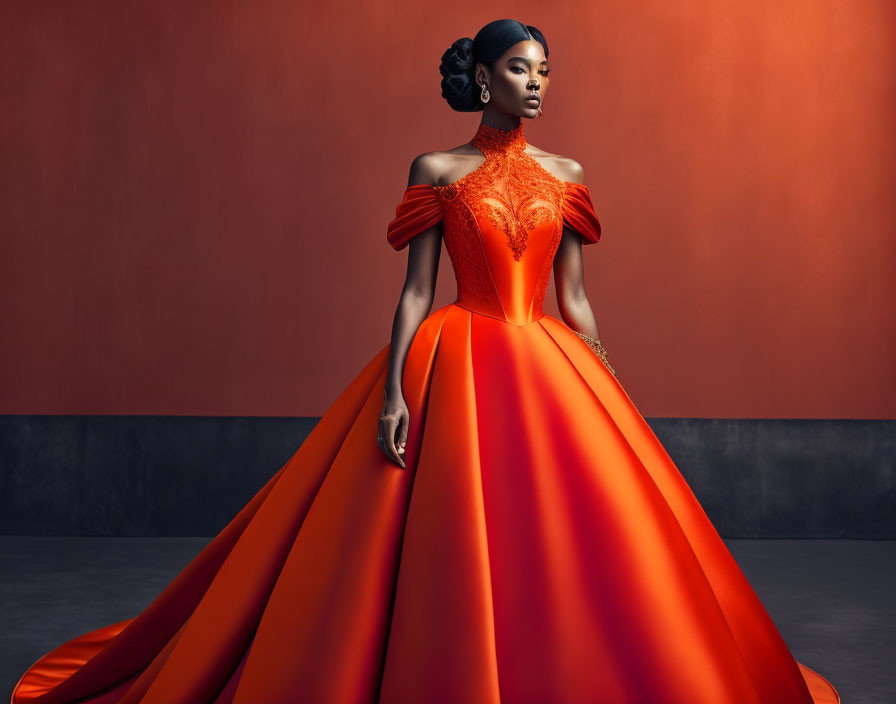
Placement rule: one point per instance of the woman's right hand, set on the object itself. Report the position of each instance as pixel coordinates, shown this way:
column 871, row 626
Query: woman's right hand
column 392, row 430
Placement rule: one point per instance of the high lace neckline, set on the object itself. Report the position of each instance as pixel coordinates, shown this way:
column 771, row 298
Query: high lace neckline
column 490, row 139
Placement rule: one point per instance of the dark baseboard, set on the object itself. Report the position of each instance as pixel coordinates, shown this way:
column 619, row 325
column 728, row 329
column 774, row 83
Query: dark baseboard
column 183, row 476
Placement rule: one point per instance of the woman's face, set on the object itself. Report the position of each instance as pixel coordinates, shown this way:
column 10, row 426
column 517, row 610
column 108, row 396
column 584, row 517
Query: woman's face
column 520, row 73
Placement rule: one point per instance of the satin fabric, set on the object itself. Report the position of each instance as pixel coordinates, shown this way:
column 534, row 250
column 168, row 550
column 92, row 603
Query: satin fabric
column 540, row 547
column 421, row 208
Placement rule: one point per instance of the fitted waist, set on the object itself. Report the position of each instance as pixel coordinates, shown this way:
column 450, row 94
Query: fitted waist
column 489, row 312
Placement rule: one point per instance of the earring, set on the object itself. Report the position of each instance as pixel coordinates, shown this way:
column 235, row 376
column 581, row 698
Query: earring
column 484, row 96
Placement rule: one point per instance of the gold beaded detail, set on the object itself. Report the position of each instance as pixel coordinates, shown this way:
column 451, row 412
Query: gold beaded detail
column 597, row 348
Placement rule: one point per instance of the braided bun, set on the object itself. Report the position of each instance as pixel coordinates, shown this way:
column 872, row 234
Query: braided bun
column 458, row 86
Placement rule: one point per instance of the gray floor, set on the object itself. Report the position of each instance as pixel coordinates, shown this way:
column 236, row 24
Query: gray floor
column 831, row 599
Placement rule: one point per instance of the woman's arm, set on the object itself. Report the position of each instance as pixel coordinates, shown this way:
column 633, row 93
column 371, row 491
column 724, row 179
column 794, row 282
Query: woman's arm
column 569, row 282
column 569, row 270
column 414, row 304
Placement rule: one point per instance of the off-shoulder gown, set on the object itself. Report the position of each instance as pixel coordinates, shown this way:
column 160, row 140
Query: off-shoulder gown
column 539, row 548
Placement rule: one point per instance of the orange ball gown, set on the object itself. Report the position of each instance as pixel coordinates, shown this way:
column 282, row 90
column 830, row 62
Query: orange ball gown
column 539, row 548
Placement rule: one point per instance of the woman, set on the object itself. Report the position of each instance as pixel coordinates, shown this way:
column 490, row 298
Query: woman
column 516, row 533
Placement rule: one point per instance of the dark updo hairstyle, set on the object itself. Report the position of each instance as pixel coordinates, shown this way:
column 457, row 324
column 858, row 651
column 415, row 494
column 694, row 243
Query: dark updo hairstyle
column 458, row 85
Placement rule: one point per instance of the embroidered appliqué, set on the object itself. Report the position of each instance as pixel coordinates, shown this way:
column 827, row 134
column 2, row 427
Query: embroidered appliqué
column 511, row 192
column 461, row 236
column 541, row 286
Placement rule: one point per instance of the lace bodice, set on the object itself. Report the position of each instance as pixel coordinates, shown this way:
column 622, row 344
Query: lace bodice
column 501, row 224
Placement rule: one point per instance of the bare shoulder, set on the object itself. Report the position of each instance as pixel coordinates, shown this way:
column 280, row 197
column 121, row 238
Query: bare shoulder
column 425, row 169
column 573, row 170
column 438, row 168
column 563, row 167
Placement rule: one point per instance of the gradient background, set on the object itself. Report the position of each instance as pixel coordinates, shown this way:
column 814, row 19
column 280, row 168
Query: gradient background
column 194, row 197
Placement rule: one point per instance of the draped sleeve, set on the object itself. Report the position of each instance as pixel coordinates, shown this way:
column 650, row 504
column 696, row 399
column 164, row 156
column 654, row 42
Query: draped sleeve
column 419, row 209
column 578, row 212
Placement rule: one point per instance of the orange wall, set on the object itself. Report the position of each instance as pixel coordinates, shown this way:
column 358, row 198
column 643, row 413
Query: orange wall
column 194, row 197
